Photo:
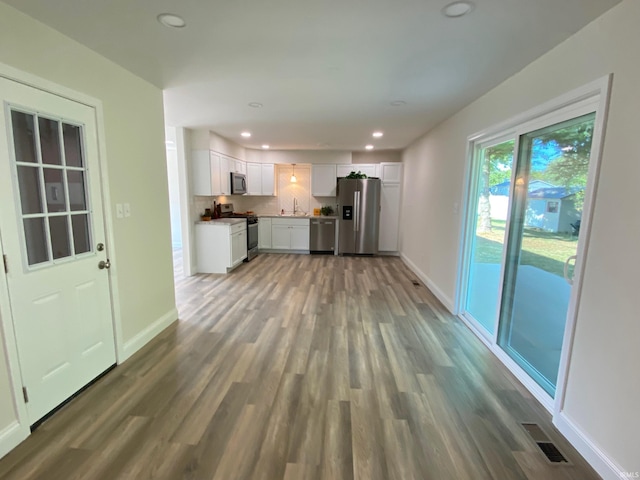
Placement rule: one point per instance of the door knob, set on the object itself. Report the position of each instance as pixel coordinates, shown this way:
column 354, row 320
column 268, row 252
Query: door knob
column 102, row 264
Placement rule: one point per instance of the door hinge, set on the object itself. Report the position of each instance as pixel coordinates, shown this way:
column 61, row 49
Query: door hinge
column 25, row 394
column 6, row 265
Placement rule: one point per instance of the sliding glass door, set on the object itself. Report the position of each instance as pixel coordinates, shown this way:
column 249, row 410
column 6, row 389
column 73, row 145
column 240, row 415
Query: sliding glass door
column 491, row 201
column 546, row 209
column 526, row 200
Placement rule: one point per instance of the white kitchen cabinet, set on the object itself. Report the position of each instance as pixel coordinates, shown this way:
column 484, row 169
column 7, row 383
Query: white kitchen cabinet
column 238, row 246
column 391, row 172
column 237, row 166
column 290, row 234
column 323, row 180
column 220, row 246
column 205, row 173
column 268, row 179
column 264, row 233
column 389, row 217
column 254, row 179
column 260, row 178
column 280, row 237
column 369, row 169
column 225, row 179
column 299, row 237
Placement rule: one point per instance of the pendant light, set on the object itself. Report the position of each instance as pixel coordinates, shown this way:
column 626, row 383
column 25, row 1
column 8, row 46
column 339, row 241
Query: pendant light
column 293, row 174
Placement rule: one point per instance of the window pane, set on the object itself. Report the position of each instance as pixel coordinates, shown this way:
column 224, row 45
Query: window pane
column 494, row 182
column 75, row 181
column 72, row 145
column 58, row 227
column 49, row 141
column 30, row 193
column 55, row 190
column 24, row 137
column 81, row 239
column 36, row 240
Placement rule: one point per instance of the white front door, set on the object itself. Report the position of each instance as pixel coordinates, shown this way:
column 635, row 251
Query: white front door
column 52, row 232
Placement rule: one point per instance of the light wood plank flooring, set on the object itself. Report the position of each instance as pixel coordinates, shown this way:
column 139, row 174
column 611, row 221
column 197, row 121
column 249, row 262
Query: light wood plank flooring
column 301, row 367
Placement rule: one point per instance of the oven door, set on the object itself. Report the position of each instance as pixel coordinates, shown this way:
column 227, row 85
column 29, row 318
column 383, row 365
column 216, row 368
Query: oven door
column 252, row 236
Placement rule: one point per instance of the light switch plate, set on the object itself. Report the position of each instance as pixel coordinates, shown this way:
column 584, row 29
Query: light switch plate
column 119, row 211
column 127, row 210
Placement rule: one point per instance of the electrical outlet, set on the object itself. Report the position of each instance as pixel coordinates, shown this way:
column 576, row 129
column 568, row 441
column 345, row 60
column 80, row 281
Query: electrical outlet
column 119, row 211
column 127, row 210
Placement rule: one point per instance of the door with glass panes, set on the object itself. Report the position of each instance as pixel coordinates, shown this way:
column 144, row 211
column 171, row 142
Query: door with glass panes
column 53, row 237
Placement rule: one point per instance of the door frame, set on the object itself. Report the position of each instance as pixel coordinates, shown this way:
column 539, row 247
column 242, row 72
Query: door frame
column 17, row 431
column 598, row 92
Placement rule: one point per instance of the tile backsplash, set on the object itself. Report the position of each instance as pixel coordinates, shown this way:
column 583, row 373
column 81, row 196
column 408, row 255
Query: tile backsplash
column 271, row 205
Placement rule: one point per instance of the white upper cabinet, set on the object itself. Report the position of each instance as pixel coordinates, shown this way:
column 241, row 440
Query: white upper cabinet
column 238, row 166
column 260, row 179
column 254, row 179
column 369, row 169
column 391, row 172
column 225, row 179
column 268, row 179
column 205, row 173
column 323, row 180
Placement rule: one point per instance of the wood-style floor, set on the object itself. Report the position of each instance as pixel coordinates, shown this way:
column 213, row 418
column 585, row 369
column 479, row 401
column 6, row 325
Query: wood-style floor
column 301, row 367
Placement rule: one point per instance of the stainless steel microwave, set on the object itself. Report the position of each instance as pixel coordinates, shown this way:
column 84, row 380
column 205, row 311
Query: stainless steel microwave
column 238, row 183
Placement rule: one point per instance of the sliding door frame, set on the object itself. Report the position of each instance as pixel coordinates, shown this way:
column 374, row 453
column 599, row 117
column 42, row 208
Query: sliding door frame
column 593, row 97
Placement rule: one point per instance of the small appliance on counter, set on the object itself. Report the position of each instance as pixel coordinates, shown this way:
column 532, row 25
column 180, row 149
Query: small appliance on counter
column 226, row 211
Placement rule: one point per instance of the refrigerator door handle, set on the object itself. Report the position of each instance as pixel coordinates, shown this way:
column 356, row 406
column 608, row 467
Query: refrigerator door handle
column 356, row 210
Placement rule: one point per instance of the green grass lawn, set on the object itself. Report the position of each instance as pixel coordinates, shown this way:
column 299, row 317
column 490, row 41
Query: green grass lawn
column 544, row 250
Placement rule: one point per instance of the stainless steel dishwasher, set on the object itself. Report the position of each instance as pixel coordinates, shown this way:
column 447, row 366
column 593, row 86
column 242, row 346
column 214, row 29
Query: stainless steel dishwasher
column 322, row 235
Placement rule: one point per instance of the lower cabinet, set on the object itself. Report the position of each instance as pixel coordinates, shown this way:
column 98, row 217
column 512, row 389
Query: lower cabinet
column 220, row 246
column 290, row 234
column 238, row 247
column 264, row 233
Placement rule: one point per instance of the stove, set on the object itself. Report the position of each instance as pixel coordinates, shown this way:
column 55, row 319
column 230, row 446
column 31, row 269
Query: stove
column 226, row 210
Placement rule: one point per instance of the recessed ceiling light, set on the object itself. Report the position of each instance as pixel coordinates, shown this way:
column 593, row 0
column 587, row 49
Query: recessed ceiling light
column 457, row 9
column 171, row 20
column 246, row 134
column 265, row 146
column 369, row 147
column 377, row 134
column 255, row 105
column 398, row 103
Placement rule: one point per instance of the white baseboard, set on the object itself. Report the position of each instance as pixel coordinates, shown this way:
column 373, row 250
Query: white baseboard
column 446, row 301
column 146, row 335
column 11, row 436
column 600, row 462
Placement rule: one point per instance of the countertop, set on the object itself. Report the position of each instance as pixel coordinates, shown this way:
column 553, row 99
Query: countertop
column 223, row 221
column 298, row 216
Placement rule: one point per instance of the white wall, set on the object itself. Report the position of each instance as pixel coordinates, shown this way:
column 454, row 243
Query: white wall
column 377, row 156
column 603, row 383
column 134, row 142
column 297, row 156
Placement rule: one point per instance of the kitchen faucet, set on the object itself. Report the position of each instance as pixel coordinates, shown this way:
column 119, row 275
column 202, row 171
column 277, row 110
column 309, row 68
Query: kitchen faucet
column 295, row 205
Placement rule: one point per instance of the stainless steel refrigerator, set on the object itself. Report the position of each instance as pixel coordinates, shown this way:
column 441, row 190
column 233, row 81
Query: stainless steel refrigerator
column 359, row 213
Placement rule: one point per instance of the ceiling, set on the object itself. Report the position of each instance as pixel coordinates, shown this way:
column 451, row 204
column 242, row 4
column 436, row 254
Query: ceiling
column 326, row 72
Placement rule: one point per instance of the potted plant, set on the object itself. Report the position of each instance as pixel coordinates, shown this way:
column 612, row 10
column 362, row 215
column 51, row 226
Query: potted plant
column 326, row 210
